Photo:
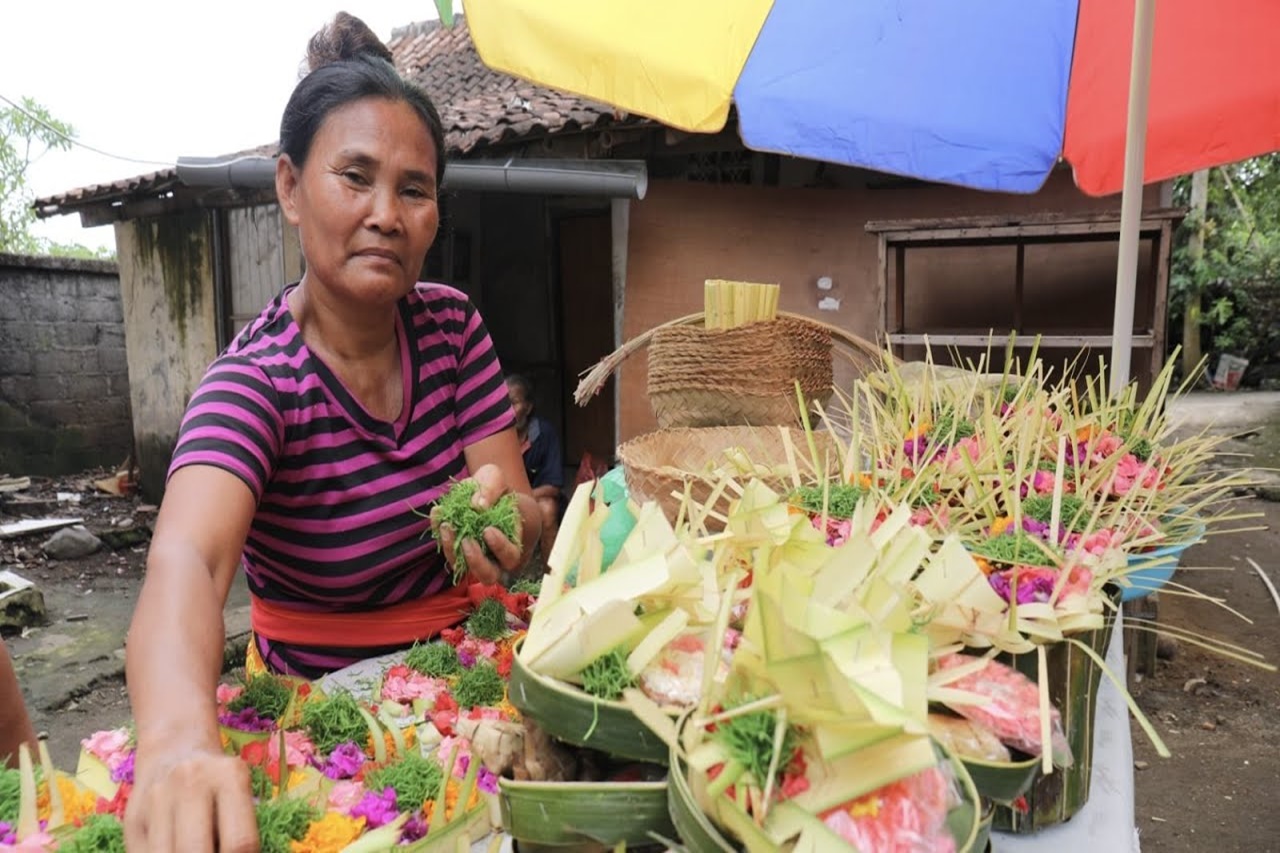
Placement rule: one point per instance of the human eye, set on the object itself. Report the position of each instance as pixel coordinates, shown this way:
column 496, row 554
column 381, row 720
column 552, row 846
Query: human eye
column 354, row 176
column 418, row 192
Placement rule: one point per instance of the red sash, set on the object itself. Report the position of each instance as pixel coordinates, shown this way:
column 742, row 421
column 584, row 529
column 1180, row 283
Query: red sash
column 399, row 624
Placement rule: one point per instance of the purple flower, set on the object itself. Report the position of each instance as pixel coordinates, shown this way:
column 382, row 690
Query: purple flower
column 344, row 762
column 1033, row 585
column 246, row 720
column 377, row 809
column 123, row 772
column 467, row 659
column 487, row 780
column 414, row 829
column 8, row 835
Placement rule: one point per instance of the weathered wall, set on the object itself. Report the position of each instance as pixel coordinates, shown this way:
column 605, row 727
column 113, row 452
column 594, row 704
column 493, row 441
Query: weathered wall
column 166, row 278
column 684, row 233
column 64, row 387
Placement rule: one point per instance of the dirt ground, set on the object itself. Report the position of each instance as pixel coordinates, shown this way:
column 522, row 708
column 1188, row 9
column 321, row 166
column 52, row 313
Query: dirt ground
column 1220, row 719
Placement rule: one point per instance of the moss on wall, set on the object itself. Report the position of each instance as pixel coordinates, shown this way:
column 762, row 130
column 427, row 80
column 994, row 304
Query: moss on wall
column 175, row 244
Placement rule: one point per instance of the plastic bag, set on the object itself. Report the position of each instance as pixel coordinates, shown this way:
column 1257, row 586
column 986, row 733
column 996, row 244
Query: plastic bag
column 906, row 816
column 1012, row 713
column 967, row 739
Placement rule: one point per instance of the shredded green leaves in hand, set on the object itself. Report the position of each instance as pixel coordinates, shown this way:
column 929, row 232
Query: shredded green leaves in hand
column 435, row 660
column 456, row 510
column 607, row 676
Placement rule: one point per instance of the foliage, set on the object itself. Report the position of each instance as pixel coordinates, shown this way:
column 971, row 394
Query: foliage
column 26, row 135
column 415, row 779
column 607, row 676
column 488, row 621
column 281, row 821
column 333, row 720
column 1238, row 276
column 434, row 660
column 101, row 833
column 479, row 686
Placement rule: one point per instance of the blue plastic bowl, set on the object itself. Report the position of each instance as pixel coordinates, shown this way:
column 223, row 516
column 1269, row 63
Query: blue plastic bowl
column 1157, row 566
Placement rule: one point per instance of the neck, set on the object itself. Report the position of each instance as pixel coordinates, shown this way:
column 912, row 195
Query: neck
column 353, row 333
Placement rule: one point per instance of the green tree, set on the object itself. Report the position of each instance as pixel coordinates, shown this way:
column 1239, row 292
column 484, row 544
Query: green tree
column 27, row 133
column 1225, row 282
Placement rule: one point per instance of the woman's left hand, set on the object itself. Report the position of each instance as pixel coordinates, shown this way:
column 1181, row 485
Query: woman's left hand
column 507, row 555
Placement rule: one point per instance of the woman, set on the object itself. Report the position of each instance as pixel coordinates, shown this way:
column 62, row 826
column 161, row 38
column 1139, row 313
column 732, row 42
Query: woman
column 346, row 407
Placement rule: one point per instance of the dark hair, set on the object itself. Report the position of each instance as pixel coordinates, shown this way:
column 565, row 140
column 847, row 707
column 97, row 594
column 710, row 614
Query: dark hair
column 347, row 62
column 522, row 382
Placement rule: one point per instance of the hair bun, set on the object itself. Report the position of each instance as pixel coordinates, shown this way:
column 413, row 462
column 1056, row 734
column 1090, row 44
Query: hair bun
column 345, row 38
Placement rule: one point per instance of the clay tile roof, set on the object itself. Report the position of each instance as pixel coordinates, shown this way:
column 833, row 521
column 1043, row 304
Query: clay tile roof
column 479, row 107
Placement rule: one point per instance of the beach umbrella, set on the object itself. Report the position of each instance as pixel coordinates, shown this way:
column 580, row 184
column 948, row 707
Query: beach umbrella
column 989, row 95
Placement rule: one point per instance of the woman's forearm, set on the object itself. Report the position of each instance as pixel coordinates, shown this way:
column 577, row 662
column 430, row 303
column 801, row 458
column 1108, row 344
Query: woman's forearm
column 175, row 651
column 15, row 725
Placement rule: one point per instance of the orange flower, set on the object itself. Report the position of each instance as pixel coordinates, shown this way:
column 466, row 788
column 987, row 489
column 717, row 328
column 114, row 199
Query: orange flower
column 77, row 803
column 329, row 834
column 983, row 566
column 1084, row 433
column 1000, row 525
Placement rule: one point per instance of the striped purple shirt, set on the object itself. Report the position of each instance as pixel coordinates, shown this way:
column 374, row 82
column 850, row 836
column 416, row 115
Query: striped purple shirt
column 342, row 496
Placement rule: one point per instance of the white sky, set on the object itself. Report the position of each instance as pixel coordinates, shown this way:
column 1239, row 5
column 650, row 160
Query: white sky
column 158, row 81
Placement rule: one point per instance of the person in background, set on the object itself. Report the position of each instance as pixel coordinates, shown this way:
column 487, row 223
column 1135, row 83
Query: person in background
column 314, row 447
column 543, row 459
column 15, row 725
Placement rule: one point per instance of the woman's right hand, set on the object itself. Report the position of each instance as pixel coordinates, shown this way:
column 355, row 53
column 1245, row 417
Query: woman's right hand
column 190, row 798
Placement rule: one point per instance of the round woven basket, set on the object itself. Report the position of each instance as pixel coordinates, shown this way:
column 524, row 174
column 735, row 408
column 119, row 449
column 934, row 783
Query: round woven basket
column 659, row 465
column 736, row 377
column 745, row 375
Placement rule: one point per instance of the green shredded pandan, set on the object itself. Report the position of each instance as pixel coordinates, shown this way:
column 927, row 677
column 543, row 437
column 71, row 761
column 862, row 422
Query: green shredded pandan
column 1012, row 549
column 480, row 686
column 334, row 720
column 1040, row 507
column 1050, row 465
column 842, row 499
column 456, row 510
column 531, row 586
column 414, row 778
column 100, row 833
column 607, row 676
column 434, row 660
column 948, row 427
column 282, row 820
column 266, row 694
column 1141, row 448
column 260, row 783
column 489, row 621
column 10, row 794
column 748, row 738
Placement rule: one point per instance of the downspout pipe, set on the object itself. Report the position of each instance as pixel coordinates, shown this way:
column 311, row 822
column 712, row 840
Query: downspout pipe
column 599, row 178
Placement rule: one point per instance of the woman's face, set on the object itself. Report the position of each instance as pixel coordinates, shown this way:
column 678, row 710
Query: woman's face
column 365, row 201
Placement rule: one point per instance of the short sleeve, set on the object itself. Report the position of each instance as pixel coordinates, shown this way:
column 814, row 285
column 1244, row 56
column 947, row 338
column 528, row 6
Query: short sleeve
column 481, row 402
column 233, row 422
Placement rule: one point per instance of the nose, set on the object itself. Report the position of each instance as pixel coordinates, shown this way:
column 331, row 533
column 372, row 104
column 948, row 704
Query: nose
column 383, row 214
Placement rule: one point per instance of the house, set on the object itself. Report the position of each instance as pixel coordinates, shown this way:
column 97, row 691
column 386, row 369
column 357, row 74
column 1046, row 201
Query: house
column 564, row 272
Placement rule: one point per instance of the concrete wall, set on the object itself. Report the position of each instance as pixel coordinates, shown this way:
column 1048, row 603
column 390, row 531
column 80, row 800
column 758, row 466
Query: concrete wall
column 64, row 387
column 684, row 233
column 166, row 277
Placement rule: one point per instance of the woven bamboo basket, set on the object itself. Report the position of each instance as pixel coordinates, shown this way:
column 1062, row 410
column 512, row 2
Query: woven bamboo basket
column 745, row 376
column 661, row 465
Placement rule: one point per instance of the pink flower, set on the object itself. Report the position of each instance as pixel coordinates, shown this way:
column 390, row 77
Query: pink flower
column 345, row 795
column 463, row 760
column 298, row 748
column 415, row 685
column 1131, row 471
column 1106, row 445
column 969, row 448
column 226, row 692
column 1042, row 482
column 478, row 649
column 1098, row 542
column 107, row 746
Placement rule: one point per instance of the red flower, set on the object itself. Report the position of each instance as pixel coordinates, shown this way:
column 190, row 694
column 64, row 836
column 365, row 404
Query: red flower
column 453, row 636
column 504, row 661
column 304, row 690
column 400, row 670
column 445, row 714
column 117, row 804
column 793, row 785
column 1020, row 805
column 254, row 753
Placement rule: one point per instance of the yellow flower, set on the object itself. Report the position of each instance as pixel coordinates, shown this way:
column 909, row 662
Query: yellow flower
column 866, row 807
column 77, row 803
column 329, row 834
column 1000, row 525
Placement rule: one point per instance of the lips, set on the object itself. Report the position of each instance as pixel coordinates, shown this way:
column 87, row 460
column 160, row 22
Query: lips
column 385, row 254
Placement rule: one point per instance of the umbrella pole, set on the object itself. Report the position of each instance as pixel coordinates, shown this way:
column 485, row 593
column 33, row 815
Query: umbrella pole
column 1131, row 198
